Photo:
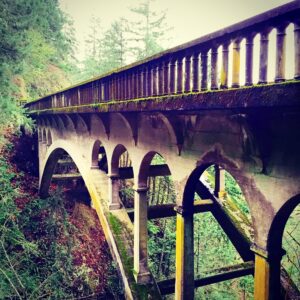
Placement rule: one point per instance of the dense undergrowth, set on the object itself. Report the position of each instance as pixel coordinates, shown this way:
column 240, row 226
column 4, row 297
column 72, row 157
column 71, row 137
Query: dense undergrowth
column 50, row 248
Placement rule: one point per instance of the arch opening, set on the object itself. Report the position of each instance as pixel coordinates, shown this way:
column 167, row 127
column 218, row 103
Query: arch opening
column 222, row 230
column 121, row 167
column 161, row 225
column 77, row 226
column 99, row 158
column 285, row 234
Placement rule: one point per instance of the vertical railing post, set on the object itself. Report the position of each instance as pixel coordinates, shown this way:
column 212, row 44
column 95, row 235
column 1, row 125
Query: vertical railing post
column 224, row 69
column 263, row 56
column 140, row 83
column 297, row 48
column 236, row 64
column 249, row 60
column 214, row 68
column 166, row 77
column 154, row 80
column 160, row 78
column 172, row 75
column 187, row 74
column 133, row 84
column 184, row 281
column 179, row 74
column 280, row 53
column 144, row 95
column 196, row 72
column 149, row 81
column 141, row 271
column 204, row 70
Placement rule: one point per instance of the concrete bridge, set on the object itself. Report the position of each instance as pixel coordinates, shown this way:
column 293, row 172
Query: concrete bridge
column 179, row 105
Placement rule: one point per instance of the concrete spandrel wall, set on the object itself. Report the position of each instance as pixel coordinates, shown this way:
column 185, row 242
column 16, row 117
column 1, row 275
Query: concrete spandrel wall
column 260, row 149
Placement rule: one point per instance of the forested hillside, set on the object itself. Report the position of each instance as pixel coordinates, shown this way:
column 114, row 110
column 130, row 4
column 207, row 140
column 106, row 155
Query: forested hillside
column 54, row 248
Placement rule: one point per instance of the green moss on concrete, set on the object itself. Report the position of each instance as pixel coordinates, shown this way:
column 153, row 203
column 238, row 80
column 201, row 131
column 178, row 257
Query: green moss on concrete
column 142, row 292
column 105, row 106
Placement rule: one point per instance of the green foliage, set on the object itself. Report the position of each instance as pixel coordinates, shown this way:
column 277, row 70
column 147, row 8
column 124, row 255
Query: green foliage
column 291, row 244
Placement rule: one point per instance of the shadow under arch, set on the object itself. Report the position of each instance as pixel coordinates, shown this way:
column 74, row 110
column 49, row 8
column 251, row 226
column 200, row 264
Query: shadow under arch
column 274, row 244
column 144, row 170
column 117, row 153
column 49, row 138
column 99, row 157
column 49, row 168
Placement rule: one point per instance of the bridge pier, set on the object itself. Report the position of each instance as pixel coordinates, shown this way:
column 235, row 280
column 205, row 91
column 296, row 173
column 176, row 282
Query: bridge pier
column 267, row 274
column 113, row 192
column 184, row 281
column 141, row 271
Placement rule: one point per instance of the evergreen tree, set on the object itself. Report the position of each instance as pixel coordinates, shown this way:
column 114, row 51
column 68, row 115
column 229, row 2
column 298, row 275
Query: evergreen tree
column 149, row 30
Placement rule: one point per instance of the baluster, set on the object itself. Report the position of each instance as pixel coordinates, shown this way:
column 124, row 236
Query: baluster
column 172, row 75
column 263, row 56
column 126, row 96
column 224, row 69
column 161, row 78
column 214, row 68
column 280, row 53
column 154, row 80
column 187, row 74
column 249, row 60
column 179, row 74
column 297, row 48
column 236, row 64
column 134, row 85
column 129, row 91
column 204, row 70
column 149, row 81
column 144, row 82
column 196, row 72
column 140, row 83
column 78, row 96
column 166, row 77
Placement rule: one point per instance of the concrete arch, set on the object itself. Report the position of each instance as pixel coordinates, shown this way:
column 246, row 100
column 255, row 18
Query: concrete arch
column 254, row 198
column 97, row 147
column 99, row 125
column 144, row 169
column 114, row 163
column 274, row 244
column 279, row 222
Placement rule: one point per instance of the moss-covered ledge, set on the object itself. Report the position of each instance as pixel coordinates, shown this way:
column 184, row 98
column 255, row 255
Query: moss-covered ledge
column 285, row 94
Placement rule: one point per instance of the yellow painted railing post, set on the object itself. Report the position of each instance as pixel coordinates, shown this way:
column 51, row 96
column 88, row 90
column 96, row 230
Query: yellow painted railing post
column 184, row 283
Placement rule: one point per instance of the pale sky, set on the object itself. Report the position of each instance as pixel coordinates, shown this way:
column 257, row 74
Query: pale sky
column 190, row 19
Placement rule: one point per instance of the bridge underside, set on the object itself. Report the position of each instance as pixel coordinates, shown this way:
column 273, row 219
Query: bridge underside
column 257, row 143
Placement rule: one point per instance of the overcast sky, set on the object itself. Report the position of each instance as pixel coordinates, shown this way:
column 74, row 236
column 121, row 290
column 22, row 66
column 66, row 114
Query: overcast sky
column 190, row 19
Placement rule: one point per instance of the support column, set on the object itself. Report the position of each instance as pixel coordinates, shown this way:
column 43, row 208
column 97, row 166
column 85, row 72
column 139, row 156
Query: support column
column 236, row 64
column 113, row 192
column 267, row 274
column 249, row 60
column 184, row 282
column 141, row 271
column 214, row 68
column 297, row 48
column 220, row 191
column 263, row 56
column 224, row 70
column 280, row 53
